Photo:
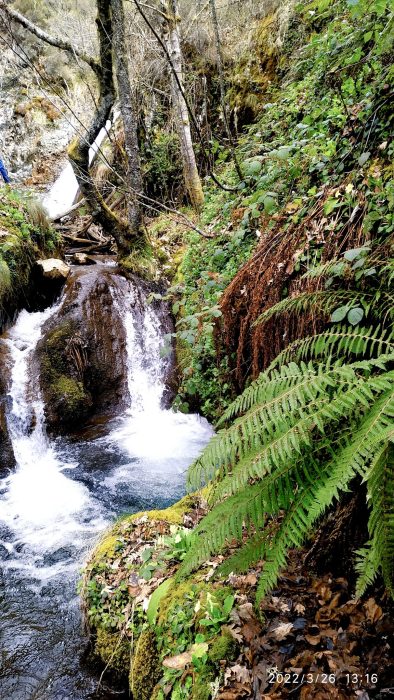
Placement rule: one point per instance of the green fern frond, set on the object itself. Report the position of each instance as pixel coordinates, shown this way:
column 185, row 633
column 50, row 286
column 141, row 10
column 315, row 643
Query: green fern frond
column 380, row 480
column 324, row 302
column 340, row 341
column 299, row 436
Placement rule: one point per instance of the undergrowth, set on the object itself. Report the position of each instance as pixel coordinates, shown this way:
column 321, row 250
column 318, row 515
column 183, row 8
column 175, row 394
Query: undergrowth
column 317, row 169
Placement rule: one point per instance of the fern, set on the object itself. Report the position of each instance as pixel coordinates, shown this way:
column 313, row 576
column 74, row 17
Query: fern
column 295, row 440
column 324, row 302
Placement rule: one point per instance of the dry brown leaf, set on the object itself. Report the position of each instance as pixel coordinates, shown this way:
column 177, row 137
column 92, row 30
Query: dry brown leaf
column 374, row 612
column 314, row 640
column 179, row 661
column 240, row 673
column 282, row 631
column 245, row 612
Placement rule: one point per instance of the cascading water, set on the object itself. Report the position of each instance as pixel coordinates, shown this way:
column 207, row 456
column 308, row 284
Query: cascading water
column 62, row 494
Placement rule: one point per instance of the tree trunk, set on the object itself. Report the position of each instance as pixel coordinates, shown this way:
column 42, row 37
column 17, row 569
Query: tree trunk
column 190, row 172
column 79, row 149
column 129, row 118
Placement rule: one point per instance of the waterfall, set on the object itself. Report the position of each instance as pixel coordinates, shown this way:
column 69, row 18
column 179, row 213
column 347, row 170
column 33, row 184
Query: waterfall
column 63, row 493
column 64, row 191
column 37, row 492
column 148, row 430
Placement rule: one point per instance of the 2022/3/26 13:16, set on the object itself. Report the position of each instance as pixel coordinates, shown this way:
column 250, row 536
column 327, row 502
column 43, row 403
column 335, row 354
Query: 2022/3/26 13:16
column 275, row 676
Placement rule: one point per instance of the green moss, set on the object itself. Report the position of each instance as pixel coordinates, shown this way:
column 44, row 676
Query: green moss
column 174, row 514
column 145, row 669
column 114, row 650
column 71, row 395
column 5, row 278
column 105, row 548
column 223, row 647
column 201, row 689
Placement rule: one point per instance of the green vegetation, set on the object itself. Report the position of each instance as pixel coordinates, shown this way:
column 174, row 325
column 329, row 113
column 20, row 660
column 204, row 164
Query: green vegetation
column 302, row 433
column 323, row 139
column 25, row 235
column 146, row 627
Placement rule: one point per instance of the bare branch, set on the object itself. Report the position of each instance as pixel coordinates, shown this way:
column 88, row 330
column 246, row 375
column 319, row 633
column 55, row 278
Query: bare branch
column 16, row 16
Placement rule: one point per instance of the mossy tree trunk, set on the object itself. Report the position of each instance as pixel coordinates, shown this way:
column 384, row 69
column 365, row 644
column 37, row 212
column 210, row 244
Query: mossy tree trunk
column 172, row 39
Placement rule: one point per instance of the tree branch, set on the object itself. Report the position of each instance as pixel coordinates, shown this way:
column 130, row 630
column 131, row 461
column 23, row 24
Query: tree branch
column 16, row 16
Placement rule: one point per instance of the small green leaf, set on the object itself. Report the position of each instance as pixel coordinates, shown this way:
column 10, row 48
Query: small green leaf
column 354, row 253
column 363, row 158
column 355, row 315
column 339, row 314
column 228, row 604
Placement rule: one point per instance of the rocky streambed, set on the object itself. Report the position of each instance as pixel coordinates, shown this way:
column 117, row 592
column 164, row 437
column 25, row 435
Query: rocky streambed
column 87, row 436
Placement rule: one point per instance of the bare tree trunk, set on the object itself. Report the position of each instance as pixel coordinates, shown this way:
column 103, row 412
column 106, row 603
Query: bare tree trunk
column 190, row 172
column 129, row 118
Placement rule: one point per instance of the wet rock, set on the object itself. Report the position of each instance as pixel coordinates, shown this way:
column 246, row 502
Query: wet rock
column 82, row 356
column 53, row 269
column 7, row 458
column 4, row 553
column 83, row 259
column 59, row 555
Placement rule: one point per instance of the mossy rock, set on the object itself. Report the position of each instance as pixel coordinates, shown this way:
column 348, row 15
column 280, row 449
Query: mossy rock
column 173, row 515
column 114, row 650
column 145, row 669
column 67, row 400
column 224, row 647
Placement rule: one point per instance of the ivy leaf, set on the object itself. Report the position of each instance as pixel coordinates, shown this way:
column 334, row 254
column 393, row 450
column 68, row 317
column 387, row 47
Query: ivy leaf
column 354, row 253
column 339, row 314
column 330, row 205
column 355, row 315
column 363, row 158
column 269, row 205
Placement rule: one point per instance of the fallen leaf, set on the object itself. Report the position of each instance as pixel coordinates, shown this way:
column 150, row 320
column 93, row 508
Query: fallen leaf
column 240, row 673
column 179, row 661
column 282, row 631
column 374, row 612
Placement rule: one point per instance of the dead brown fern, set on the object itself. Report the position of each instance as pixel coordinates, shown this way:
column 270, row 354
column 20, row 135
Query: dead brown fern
column 272, row 274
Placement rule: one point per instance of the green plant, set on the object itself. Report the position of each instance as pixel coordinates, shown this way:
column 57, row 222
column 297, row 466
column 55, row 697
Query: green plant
column 297, row 438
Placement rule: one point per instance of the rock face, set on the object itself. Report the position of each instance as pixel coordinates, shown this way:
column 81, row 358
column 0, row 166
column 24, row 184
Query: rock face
column 82, row 355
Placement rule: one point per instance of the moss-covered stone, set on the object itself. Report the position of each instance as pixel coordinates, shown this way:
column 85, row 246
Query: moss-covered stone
column 114, row 650
column 67, row 400
column 145, row 669
column 173, row 515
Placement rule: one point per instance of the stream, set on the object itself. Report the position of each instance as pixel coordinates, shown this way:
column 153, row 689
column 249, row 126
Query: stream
column 64, row 493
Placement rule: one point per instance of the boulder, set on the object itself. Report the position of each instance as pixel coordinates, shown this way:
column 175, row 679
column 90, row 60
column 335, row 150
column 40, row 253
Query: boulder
column 82, row 259
column 53, row 269
column 81, row 356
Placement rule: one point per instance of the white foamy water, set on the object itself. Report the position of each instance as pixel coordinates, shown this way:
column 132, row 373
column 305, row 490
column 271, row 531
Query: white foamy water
column 147, row 430
column 40, row 503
